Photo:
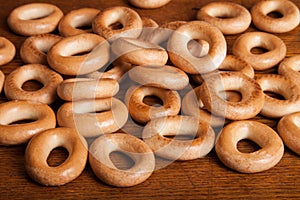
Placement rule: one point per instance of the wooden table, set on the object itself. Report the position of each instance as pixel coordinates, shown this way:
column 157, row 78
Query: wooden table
column 205, row 178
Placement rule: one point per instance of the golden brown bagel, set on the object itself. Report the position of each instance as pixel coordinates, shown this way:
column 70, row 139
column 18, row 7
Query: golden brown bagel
column 167, row 77
column 276, row 108
column 62, row 56
column 247, row 41
column 42, row 117
column 34, row 48
column 40, row 147
column 197, row 30
column 252, row 95
column 70, row 24
column 130, row 20
column 133, row 147
column 76, row 89
column 141, row 112
column 202, row 142
column 49, row 78
column 93, row 117
column 34, row 18
column 268, row 156
column 290, row 16
column 229, row 17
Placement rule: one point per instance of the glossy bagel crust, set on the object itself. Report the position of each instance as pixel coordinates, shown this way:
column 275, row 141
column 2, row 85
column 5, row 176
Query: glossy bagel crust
column 7, row 51
column 49, row 78
column 149, row 4
column 14, row 134
column 252, row 95
column 290, row 16
column 33, row 49
column 268, row 156
column 197, row 30
column 133, row 147
column 62, row 56
column 76, row 89
column 175, row 149
column 247, row 41
column 34, row 18
column 167, row 77
column 82, row 116
column 230, row 18
column 40, row 147
column 70, row 24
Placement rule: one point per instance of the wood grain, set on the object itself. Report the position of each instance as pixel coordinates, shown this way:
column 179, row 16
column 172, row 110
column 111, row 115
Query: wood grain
column 205, row 178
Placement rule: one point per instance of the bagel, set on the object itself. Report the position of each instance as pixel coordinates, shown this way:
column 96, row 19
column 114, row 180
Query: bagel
column 62, row 56
column 268, row 156
column 135, row 148
column 16, row 79
column 290, row 16
column 93, row 117
column 42, row 117
column 34, row 18
column 39, row 148
column 197, row 30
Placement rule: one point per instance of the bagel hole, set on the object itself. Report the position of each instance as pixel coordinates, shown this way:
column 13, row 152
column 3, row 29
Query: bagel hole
column 275, row 14
column 22, row 121
column 82, row 53
column 187, row 137
column 224, row 15
column 101, row 111
column 86, row 27
column 106, row 68
column 258, row 50
column 247, row 146
column 198, row 48
column 121, row 160
column 32, row 85
column 231, row 95
column 274, row 95
column 57, row 156
column 152, row 100
column 116, row 26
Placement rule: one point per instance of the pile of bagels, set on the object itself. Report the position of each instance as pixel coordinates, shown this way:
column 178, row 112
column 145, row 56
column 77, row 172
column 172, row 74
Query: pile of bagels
column 103, row 64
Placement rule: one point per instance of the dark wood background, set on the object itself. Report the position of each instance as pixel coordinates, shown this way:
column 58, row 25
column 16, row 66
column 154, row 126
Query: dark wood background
column 205, row 178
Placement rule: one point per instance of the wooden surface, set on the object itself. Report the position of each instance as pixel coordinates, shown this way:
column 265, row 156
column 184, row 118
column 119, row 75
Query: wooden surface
column 205, row 178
